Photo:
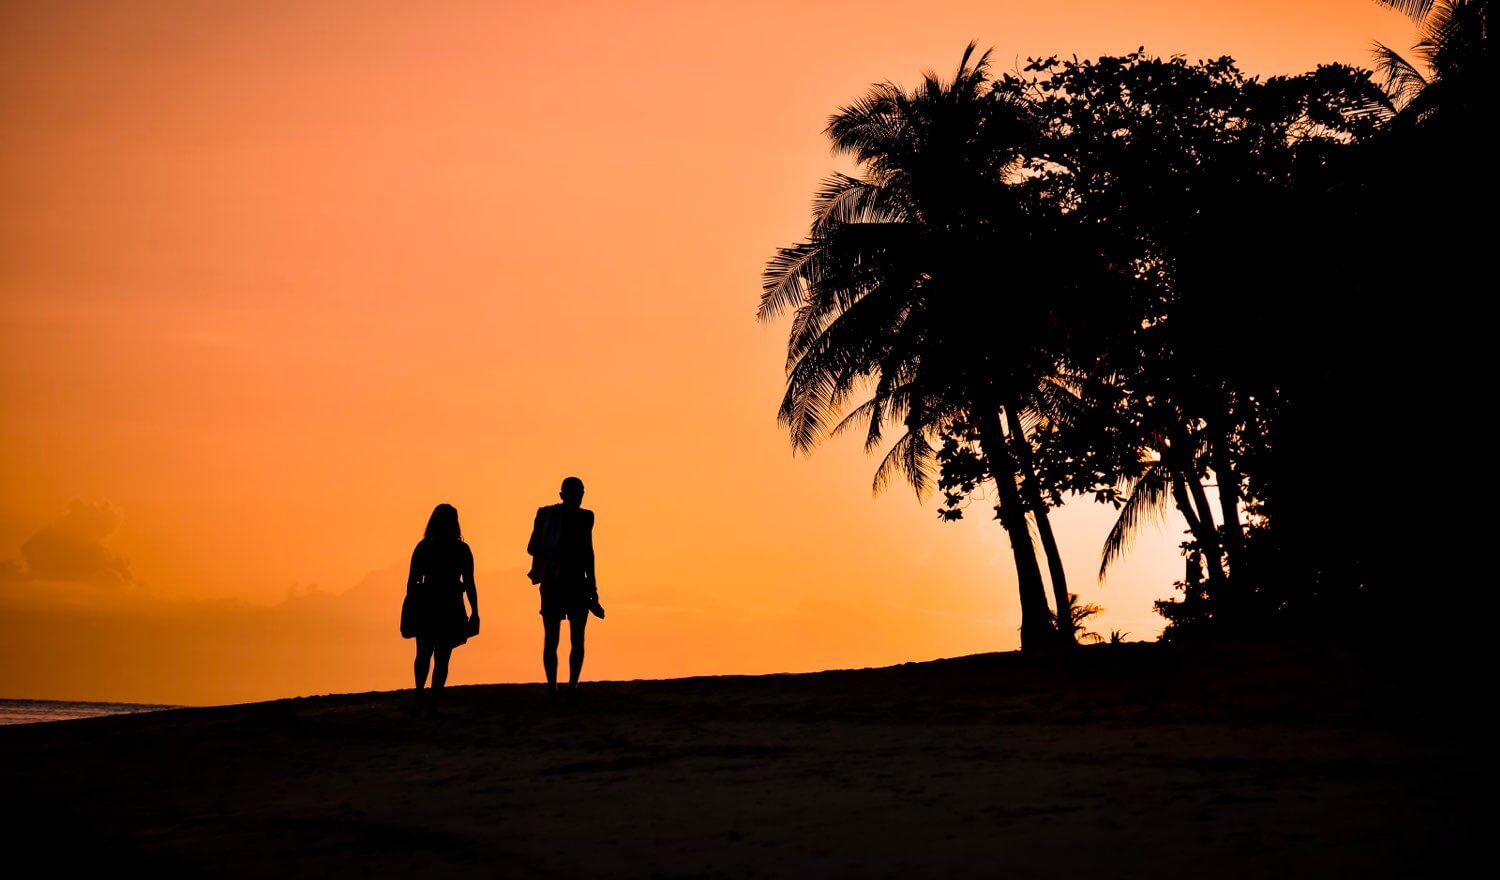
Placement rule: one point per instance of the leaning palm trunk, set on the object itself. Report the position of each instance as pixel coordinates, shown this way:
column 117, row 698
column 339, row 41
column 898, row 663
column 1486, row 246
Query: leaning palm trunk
column 1185, row 504
column 1191, row 498
column 1038, row 505
column 1036, row 628
column 1229, row 507
column 1203, row 533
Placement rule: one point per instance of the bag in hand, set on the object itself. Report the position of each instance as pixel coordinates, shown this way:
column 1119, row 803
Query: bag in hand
column 409, row 617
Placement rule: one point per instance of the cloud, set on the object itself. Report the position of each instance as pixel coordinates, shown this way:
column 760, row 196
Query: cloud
column 72, row 550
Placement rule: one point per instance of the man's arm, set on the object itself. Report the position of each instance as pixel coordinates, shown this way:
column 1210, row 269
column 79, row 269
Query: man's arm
column 534, row 545
column 588, row 561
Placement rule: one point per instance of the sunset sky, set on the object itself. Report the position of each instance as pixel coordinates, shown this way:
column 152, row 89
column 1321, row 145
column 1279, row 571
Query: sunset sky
column 276, row 278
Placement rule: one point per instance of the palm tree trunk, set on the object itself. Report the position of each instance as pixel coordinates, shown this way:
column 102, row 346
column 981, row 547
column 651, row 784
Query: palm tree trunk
column 1229, row 504
column 1179, row 449
column 1185, row 504
column 1036, row 629
column 1033, row 495
column 1203, row 534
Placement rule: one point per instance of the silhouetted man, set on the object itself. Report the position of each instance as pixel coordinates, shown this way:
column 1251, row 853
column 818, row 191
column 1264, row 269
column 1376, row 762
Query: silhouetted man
column 562, row 562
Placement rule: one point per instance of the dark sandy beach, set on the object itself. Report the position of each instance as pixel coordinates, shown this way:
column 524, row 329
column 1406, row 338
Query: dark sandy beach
column 1129, row 761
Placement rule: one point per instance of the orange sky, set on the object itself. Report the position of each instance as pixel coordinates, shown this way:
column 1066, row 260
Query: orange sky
column 276, row 278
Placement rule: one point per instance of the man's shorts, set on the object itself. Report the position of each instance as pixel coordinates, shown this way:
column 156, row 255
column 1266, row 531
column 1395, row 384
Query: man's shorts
column 565, row 597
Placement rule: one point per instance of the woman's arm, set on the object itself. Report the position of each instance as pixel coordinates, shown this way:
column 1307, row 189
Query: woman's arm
column 469, row 588
column 412, row 574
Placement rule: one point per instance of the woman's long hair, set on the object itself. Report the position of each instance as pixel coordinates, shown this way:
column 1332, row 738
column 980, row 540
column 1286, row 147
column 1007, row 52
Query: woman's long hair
column 443, row 524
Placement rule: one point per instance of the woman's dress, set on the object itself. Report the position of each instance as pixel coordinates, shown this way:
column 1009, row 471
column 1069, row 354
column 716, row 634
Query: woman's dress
column 436, row 590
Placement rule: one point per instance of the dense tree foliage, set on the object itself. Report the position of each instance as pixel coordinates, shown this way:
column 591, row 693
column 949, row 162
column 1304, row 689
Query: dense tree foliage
column 1154, row 281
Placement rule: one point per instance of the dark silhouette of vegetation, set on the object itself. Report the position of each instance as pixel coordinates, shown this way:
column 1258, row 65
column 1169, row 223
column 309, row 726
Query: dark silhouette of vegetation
column 894, row 292
column 1453, row 47
column 1150, row 281
column 1081, row 612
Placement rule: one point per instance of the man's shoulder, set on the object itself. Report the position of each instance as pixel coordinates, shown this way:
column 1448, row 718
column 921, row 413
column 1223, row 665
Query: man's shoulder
column 561, row 510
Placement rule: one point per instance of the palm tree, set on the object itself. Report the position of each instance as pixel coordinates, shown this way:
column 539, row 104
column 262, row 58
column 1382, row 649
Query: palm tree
column 899, row 292
column 1453, row 47
column 1078, row 619
column 1166, row 472
column 1032, row 493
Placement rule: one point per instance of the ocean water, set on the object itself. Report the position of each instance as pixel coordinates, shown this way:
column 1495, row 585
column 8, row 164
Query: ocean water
column 31, row 711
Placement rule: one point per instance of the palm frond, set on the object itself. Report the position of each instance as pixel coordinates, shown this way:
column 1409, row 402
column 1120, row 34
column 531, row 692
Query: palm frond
column 855, row 345
column 1058, row 400
column 872, row 409
column 1416, row 10
column 782, row 281
column 1401, row 79
column 845, row 199
column 868, row 126
column 1423, row 105
column 880, row 309
column 1374, row 102
column 911, row 457
column 1147, row 501
column 888, row 405
column 970, row 79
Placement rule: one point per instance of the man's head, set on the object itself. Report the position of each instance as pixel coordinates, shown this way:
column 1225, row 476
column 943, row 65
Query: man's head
column 572, row 491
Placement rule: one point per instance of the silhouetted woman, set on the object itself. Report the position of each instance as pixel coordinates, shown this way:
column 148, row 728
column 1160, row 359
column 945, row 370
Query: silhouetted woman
column 442, row 573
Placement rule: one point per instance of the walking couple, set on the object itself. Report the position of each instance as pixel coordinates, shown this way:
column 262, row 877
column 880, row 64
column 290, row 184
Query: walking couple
column 442, row 575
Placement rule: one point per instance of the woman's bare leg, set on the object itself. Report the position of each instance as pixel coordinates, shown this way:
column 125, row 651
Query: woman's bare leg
column 419, row 669
column 419, row 666
column 440, row 656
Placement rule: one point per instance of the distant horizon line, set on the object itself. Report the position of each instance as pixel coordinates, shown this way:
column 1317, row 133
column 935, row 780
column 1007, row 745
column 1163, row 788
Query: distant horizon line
column 540, row 683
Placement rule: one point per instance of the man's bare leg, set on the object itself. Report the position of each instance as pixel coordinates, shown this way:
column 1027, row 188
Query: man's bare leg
column 575, row 648
column 551, row 633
